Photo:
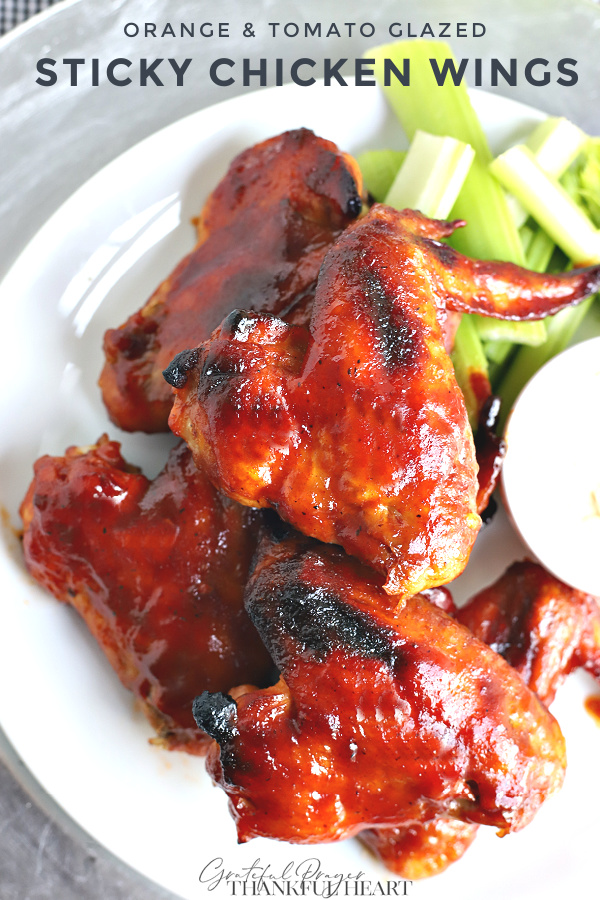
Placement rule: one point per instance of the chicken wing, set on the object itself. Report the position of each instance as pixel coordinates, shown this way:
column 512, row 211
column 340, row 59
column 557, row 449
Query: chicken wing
column 156, row 569
column 381, row 718
column 356, row 432
column 420, row 849
column 545, row 630
column 261, row 240
column 542, row 627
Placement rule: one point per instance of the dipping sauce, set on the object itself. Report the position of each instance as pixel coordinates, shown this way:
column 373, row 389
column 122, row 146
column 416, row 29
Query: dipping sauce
column 551, row 474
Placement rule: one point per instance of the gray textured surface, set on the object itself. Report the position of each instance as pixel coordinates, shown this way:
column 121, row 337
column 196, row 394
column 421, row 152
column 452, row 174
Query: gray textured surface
column 40, row 861
column 53, row 140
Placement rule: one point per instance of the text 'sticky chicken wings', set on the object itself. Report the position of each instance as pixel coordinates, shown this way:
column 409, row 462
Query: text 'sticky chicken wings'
column 381, row 718
column 156, row 569
column 355, row 431
column 262, row 237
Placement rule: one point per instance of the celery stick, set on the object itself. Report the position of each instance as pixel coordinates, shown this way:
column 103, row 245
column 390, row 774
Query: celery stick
column 534, row 242
column 560, row 329
column 539, row 252
column 490, row 329
column 470, row 368
column 498, row 351
column 549, row 204
column 432, row 175
column 379, row 168
column 430, row 178
column 496, row 330
column 527, row 234
column 497, row 354
column 518, row 212
column 447, row 111
column 555, row 143
column 502, row 351
column 582, row 181
column 589, row 177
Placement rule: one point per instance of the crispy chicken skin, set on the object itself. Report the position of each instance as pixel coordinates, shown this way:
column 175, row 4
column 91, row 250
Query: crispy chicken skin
column 262, row 237
column 500, row 290
column 542, row 627
column 545, row 630
column 380, row 718
column 156, row 569
column 356, row 433
column 420, row 849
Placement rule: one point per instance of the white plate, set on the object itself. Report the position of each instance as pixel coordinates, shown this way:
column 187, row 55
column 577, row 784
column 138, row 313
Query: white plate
column 96, row 260
column 561, row 526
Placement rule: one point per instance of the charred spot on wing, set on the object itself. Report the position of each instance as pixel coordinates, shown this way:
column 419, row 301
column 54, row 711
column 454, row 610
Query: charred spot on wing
column 473, row 787
column 216, row 714
column 239, row 323
column 277, row 529
column 232, row 321
column 490, row 450
column 353, row 200
column 447, row 255
column 216, row 373
column 398, row 338
column 132, row 342
column 354, row 205
column 176, row 373
column 318, row 620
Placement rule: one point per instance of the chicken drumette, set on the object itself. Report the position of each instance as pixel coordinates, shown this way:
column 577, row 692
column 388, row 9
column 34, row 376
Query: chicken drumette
column 381, row 718
column 262, row 237
column 355, row 431
column 156, row 569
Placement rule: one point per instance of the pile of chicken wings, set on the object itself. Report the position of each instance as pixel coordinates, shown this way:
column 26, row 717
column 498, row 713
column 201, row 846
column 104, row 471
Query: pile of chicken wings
column 276, row 598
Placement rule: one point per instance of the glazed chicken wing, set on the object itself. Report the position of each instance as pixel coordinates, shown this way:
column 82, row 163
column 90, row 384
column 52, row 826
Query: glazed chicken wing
column 262, row 237
column 381, row 718
column 420, row 849
column 545, row 630
column 356, row 431
column 542, row 627
column 156, row 569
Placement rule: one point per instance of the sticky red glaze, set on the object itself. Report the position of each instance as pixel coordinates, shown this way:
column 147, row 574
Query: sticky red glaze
column 356, row 434
column 542, row 627
column 381, row 718
column 501, row 289
column 420, row 849
column 592, row 705
column 490, row 449
column 262, row 237
column 545, row 629
column 157, row 570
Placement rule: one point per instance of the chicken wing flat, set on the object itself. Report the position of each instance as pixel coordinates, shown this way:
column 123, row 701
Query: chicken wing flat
column 542, row 627
column 545, row 630
column 156, row 569
column 381, row 718
column 261, row 240
column 356, row 432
